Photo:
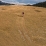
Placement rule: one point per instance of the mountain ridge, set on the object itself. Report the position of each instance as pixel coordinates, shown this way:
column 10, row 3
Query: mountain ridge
column 3, row 3
column 40, row 4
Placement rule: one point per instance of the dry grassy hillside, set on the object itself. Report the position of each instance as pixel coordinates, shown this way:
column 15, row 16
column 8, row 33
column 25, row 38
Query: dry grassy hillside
column 29, row 30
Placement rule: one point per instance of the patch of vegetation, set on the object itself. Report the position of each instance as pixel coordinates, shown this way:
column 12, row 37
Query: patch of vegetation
column 41, row 4
column 37, row 11
column 33, row 8
column 3, row 9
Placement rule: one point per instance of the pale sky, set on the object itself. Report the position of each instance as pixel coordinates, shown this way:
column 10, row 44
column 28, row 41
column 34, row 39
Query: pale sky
column 23, row 1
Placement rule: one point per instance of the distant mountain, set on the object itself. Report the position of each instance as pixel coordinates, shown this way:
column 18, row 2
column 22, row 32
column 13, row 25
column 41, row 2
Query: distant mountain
column 28, row 5
column 3, row 3
column 41, row 4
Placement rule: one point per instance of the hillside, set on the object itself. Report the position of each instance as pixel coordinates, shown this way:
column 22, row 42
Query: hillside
column 41, row 4
column 3, row 3
column 17, row 29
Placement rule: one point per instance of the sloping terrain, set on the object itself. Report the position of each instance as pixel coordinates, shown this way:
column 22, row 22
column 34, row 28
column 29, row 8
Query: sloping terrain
column 17, row 29
column 40, row 4
column 3, row 3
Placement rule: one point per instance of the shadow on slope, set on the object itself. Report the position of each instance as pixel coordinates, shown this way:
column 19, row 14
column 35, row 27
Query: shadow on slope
column 40, row 4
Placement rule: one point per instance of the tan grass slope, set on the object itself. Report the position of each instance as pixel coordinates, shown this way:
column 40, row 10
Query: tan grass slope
column 29, row 30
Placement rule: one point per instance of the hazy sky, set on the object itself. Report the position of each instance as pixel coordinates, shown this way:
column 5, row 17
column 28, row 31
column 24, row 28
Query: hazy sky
column 23, row 1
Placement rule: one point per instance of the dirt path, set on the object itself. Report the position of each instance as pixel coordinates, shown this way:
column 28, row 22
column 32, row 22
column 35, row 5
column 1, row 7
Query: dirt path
column 20, row 22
